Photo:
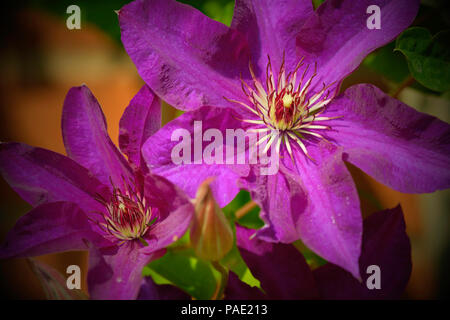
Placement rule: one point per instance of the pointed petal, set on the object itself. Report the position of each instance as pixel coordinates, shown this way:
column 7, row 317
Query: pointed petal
column 141, row 119
column 86, row 138
column 157, row 151
column 386, row 245
column 271, row 28
column 115, row 273
column 40, row 176
column 337, row 37
column 405, row 149
column 188, row 59
column 49, row 228
column 281, row 268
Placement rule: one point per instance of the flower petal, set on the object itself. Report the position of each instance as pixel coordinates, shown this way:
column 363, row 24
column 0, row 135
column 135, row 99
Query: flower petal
column 152, row 291
column 48, row 228
column 188, row 59
column 40, row 176
column 271, row 28
column 158, row 149
column 115, row 273
column 141, row 119
column 281, row 268
column 86, row 138
column 238, row 290
column 317, row 203
column 397, row 145
column 386, row 245
column 175, row 212
column 337, row 36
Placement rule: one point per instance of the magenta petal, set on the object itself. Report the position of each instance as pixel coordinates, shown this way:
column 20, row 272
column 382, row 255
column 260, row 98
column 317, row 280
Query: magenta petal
column 338, row 39
column 48, row 228
column 86, row 138
column 40, row 176
column 238, row 290
column 271, row 28
column 281, row 268
column 152, row 291
column 397, row 145
column 175, row 212
column 188, row 59
column 141, row 119
column 115, row 273
column 386, row 245
column 157, row 151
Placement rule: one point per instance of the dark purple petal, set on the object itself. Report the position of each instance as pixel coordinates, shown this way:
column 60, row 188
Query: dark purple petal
column 338, row 39
column 157, row 151
column 40, row 176
column 385, row 244
column 397, row 145
column 86, row 138
column 271, row 28
column 115, row 273
column 152, row 291
column 188, row 59
column 281, row 268
column 51, row 227
column 141, row 119
column 238, row 290
column 175, row 212
column 318, row 204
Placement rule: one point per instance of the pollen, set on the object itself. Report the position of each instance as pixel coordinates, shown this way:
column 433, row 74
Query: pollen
column 287, row 101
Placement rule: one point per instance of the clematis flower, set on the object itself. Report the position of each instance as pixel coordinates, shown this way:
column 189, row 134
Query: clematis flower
column 277, row 70
column 96, row 199
column 385, row 248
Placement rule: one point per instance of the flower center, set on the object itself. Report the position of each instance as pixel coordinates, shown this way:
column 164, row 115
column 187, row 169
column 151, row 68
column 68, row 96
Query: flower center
column 286, row 108
column 127, row 216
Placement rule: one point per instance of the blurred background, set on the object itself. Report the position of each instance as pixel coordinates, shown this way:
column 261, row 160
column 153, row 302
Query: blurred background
column 40, row 59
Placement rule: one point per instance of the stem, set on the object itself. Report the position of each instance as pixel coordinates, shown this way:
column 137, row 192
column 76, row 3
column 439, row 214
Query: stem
column 218, row 294
column 245, row 209
column 406, row 83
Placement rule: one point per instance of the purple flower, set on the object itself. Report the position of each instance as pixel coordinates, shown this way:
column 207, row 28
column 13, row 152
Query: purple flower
column 95, row 199
column 385, row 248
column 277, row 70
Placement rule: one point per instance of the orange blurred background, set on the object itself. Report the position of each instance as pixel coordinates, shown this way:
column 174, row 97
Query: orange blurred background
column 41, row 59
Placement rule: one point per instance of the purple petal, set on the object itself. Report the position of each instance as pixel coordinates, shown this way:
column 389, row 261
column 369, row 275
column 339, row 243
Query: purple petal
column 271, row 28
column 141, row 119
column 338, row 39
column 386, row 245
column 40, row 176
column 157, row 152
column 175, row 212
column 281, row 268
column 238, row 290
column 397, row 145
column 115, row 273
column 49, row 228
column 86, row 138
column 318, row 204
column 152, row 291
column 188, row 59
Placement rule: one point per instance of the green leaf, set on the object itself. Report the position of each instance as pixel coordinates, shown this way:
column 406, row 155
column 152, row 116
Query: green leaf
column 428, row 57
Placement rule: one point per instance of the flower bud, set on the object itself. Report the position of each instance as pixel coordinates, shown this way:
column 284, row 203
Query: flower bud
column 211, row 234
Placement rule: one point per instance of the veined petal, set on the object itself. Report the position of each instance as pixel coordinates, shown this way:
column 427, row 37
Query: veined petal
column 385, row 246
column 158, row 149
column 188, row 59
column 40, row 176
column 271, row 28
column 49, row 228
column 405, row 149
column 337, row 36
column 86, row 138
column 141, row 119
